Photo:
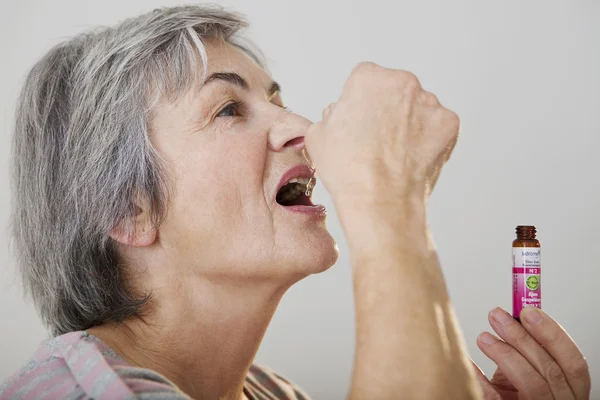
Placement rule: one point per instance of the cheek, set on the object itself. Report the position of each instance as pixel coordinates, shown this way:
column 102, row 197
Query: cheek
column 194, row 203
column 220, row 190
column 206, row 197
column 242, row 172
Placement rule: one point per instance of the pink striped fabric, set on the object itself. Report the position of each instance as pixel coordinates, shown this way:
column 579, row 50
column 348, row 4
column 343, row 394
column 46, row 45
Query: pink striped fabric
column 80, row 366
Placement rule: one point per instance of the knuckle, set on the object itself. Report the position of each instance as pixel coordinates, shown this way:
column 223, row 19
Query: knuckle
column 364, row 67
column 409, row 80
column 451, row 122
column 453, row 119
column 431, row 99
column 579, row 369
column 408, row 76
column 553, row 373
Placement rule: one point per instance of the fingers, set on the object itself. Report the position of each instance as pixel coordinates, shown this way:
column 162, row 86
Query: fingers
column 516, row 336
column 529, row 383
column 489, row 393
column 428, row 98
column 549, row 334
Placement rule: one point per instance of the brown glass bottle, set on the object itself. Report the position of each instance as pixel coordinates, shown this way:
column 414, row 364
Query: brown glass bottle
column 527, row 269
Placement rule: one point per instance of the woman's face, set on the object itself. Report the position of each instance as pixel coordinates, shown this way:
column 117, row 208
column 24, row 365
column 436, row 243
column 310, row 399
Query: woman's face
column 229, row 146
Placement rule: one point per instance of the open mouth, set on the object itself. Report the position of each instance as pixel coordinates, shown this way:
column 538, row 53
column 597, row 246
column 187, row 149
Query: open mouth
column 294, row 192
column 295, row 188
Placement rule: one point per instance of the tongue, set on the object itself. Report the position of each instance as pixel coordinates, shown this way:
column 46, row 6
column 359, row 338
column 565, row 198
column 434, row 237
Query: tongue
column 301, row 200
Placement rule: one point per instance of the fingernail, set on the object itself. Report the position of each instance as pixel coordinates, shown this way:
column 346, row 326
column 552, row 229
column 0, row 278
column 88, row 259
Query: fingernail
column 501, row 316
column 487, row 338
column 532, row 315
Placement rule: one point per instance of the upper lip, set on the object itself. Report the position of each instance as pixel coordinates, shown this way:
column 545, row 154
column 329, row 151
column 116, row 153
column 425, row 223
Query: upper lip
column 298, row 171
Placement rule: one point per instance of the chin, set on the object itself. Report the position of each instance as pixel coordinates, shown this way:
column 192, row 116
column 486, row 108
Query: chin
column 319, row 253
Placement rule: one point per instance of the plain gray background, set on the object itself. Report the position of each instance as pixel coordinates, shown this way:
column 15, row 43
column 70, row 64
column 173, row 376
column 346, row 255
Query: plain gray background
column 523, row 76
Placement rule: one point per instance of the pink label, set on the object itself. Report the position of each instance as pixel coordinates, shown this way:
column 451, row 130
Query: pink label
column 527, row 283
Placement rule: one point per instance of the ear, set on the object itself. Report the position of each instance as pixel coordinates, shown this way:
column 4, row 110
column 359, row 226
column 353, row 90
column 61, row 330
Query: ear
column 135, row 231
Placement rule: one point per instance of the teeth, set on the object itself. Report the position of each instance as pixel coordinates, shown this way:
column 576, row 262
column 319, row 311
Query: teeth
column 303, row 181
column 296, row 187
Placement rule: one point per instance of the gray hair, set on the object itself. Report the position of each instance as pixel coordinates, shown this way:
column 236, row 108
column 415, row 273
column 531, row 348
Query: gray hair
column 83, row 161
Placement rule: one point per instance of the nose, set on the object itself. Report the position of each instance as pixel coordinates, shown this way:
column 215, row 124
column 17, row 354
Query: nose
column 287, row 132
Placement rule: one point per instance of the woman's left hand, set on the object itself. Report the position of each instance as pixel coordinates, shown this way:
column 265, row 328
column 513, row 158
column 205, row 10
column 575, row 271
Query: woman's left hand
column 536, row 359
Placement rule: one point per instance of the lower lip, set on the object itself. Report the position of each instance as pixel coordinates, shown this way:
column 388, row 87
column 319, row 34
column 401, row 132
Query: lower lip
column 316, row 211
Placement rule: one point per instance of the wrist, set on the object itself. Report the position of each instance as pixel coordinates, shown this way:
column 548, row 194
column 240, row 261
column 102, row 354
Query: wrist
column 376, row 195
column 373, row 225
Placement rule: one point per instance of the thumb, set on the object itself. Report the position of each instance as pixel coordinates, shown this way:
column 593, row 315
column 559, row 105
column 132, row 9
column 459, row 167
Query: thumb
column 313, row 133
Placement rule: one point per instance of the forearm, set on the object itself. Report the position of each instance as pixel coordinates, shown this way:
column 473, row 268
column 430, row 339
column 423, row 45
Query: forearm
column 408, row 342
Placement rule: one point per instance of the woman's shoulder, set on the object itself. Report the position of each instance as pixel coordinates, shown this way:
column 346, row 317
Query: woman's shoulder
column 262, row 382
column 78, row 365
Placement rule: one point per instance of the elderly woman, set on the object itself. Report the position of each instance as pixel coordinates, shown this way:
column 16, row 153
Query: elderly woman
column 162, row 207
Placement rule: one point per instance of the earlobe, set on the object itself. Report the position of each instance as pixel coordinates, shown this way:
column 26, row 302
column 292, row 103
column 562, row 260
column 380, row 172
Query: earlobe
column 137, row 234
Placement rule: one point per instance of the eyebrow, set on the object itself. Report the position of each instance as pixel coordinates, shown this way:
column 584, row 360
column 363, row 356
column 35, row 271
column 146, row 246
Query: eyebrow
column 237, row 80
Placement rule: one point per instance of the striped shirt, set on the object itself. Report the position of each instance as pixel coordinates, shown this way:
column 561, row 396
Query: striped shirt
column 80, row 366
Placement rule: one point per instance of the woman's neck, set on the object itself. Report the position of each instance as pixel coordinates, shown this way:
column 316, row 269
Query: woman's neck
column 202, row 336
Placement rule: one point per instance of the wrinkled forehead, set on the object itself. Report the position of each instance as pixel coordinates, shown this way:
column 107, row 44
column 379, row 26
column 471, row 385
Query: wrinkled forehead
column 177, row 76
column 225, row 57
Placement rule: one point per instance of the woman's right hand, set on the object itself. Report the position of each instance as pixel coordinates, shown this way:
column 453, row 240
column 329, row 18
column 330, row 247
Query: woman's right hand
column 385, row 138
column 379, row 150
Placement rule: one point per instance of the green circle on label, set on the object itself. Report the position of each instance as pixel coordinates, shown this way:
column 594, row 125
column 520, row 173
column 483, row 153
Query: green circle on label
column 533, row 282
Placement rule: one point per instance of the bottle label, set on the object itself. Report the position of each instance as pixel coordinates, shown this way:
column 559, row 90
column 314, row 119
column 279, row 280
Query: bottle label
column 527, row 283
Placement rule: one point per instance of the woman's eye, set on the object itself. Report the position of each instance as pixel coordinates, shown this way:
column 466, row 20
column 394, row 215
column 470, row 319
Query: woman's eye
column 230, row 110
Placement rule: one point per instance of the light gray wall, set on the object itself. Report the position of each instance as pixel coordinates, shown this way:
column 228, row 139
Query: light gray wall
column 523, row 75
